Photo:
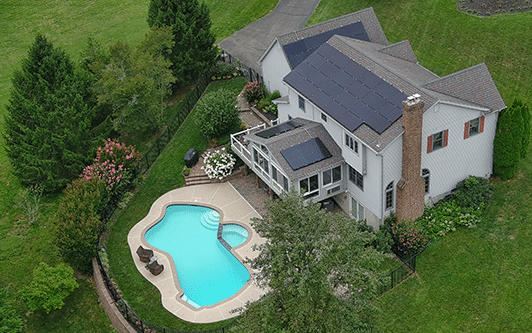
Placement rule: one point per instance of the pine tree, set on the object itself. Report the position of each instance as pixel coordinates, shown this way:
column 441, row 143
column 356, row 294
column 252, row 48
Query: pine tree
column 508, row 142
column 194, row 49
column 52, row 123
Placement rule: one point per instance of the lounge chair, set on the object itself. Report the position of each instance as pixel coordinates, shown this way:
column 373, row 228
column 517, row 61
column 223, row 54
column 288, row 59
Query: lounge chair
column 155, row 268
column 144, row 254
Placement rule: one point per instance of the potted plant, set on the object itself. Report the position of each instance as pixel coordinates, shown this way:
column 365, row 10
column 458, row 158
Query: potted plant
column 186, row 171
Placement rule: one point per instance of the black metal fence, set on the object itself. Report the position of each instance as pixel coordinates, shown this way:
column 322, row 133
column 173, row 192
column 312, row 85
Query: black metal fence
column 135, row 321
column 398, row 275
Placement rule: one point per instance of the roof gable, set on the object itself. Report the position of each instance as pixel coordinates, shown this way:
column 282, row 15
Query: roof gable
column 402, row 50
column 473, row 84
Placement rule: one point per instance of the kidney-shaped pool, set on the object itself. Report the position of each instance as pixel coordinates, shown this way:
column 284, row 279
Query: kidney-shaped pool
column 208, row 272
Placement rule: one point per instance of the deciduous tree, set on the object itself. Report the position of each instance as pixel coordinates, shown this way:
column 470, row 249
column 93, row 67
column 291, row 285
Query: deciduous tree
column 319, row 268
column 194, row 49
column 49, row 287
column 52, row 123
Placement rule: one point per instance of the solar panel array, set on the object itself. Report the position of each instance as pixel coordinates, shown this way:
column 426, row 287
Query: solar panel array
column 306, row 153
column 279, row 129
column 300, row 50
column 347, row 91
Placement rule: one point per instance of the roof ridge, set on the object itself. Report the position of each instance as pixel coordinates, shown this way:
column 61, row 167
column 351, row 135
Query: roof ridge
column 402, row 50
column 367, row 16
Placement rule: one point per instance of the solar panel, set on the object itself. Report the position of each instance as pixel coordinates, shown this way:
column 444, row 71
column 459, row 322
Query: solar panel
column 279, row 129
column 368, row 98
column 300, row 50
column 374, row 100
column 306, row 153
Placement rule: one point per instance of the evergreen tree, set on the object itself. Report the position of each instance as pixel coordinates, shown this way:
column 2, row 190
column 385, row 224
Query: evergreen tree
column 508, row 142
column 194, row 49
column 52, row 124
column 525, row 112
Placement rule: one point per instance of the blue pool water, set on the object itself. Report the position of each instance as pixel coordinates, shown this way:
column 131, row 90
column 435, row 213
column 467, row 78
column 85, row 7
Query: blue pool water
column 208, row 273
column 234, row 234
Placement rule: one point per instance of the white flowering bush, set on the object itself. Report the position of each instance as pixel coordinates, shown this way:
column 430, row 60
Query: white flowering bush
column 219, row 164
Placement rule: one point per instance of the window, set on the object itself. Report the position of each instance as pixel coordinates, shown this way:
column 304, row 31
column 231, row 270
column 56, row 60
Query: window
column 279, row 178
column 260, row 160
column 358, row 210
column 310, row 187
column 389, row 196
column 302, row 103
column 324, row 117
column 437, row 141
column 356, row 177
column 473, row 127
column 332, row 176
column 425, row 174
column 351, row 143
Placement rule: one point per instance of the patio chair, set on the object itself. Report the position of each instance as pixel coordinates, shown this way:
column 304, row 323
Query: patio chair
column 144, row 254
column 155, row 268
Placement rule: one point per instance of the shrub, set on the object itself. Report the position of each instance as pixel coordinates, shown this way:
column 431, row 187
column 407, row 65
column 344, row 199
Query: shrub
column 446, row 216
column 50, row 285
column 274, row 95
column 408, row 237
column 263, row 103
column 525, row 113
column 224, row 69
column 218, row 165
column 473, row 192
column 115, row 164
column 78, row 221
column 508, row 142
column 10, row 320
column 254, row 92
column 217, row 113
column 271, row 108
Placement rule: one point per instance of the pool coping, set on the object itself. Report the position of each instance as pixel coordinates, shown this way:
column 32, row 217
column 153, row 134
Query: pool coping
column 233, row 209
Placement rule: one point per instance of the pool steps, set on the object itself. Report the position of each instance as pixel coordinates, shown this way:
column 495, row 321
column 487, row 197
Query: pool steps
column 211, row 219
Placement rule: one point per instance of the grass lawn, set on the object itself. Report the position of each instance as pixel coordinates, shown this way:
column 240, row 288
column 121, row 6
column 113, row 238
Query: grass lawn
column 67, row 24
column 164, row 176
column 475, row 279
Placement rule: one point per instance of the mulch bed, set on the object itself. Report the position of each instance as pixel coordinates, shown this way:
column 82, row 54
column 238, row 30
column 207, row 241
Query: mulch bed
column 494, row 7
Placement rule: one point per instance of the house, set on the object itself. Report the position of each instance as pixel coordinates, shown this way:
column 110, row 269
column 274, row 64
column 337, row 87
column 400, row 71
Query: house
column 363, row 123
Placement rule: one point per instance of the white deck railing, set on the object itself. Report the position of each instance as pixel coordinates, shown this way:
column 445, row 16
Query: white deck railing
column 239, row 148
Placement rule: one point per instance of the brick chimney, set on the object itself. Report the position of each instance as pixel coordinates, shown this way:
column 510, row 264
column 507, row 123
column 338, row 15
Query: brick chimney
column 410, row 202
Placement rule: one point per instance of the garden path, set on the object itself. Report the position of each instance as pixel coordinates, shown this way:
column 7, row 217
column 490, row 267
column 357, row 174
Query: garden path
column 250, row 42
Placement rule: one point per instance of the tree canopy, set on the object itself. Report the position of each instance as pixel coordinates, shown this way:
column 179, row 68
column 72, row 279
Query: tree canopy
column 52, row 121
column 319, row 267
column 133, row 82
column 194, row 49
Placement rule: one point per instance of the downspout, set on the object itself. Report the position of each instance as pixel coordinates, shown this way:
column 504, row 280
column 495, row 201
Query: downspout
column 382, row 187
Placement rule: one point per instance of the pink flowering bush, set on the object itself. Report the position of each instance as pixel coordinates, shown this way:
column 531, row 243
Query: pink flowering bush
column 254, row 92
column 408, row 237
column 114, row 164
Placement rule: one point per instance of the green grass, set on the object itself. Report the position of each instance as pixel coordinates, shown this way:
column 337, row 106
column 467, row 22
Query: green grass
column 475, row 279
column 231, row 15
column 67, row 24
column 164, row 176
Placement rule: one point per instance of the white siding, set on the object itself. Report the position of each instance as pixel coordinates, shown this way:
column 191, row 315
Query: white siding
column 274, row 68
column 393, row 156
column 461, row 157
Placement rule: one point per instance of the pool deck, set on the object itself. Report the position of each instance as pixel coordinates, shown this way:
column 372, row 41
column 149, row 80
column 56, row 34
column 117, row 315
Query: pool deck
column 233, row 208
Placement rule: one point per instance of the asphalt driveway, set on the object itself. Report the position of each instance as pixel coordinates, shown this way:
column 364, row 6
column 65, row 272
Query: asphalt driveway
column 248, row 43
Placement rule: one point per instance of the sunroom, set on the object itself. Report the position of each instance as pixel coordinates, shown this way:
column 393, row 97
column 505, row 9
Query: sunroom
column 297, row 154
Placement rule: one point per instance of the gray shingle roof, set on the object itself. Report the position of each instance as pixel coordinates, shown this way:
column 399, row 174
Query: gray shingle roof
column 308, row 131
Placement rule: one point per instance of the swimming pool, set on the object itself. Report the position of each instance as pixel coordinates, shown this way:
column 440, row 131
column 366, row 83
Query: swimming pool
column 208, row 273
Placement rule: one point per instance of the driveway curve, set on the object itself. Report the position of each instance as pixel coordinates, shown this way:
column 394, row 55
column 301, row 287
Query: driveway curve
column 250, row 42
